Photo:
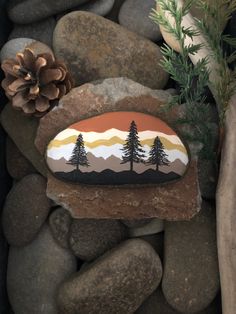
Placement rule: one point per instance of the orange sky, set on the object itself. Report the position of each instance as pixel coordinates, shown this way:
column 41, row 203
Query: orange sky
column 121, row 121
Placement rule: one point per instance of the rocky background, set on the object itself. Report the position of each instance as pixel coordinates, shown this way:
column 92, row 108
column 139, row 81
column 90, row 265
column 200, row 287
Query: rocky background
column 57, row 263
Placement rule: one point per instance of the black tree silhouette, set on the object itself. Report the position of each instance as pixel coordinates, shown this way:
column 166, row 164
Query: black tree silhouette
column 132, row 149
column 79, row 155
column 157, row 155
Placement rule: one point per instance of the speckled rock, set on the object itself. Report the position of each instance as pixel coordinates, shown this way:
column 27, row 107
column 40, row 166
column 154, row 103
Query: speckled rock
column 98, row 48
column 117, row 94
column 23, row 135
column 17, row 165
column 41, row 31
column 90, row 238
column 29, row 11
column 191, row 276
column 60, row 222
column 134, row 15
column 25, row 210
column 13, row 46
column 116, row 283
column 35, row 273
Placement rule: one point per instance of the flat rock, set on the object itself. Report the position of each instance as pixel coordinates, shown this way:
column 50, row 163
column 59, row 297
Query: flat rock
column 126, row 203
column 134, row 15
column 30, row 11
column 35, row 273
column 41, row 31
column 98, row 48
column 23, row 135
column 116, row 283
column 90, row 238
column 60, row 222
column 13, row 46
column 118, row 148
column 191, row 276
column 25, row 210
column 17, row 165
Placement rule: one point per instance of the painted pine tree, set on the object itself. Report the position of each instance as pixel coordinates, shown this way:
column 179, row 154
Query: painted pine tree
column 79, row 155
column 157, row 155
column 132, row 149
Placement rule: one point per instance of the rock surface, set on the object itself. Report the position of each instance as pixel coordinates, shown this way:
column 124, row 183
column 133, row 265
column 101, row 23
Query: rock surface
column 116, row 95
column 35, row 272
column 97, row 49
column 41, row 31
column 134, row 15
column 23, row 135
column 17, row 165
column 90, row 238
column 13, row 46
column 118, row 282
column 60, row 222
column 29, row 11
column 25, row 210
column 191, row 276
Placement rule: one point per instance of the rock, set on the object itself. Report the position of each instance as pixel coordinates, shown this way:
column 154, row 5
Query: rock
column 41, row 31
column 17, row 165
column 118, row 282
column 4, row 306
column 98, row 48
column 60, row 222
column 154, row 226
column 135, row 16
column 92, row 99
column 35, row 273
column 191, row 276
column 13, row 46
column 135, row 223
column 118, row 148
column 30, row 11
column 25, row 210
column 23, row 135
column 90, row 238
column 157, row 304
column 208, row 177
column 156, row 241
column 113, row 14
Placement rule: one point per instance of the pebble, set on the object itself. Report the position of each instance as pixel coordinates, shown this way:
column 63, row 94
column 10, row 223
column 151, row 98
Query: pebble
column 30, row 11
column 60, row 222
column 90, row 238
column 191, row 275
column 41, row 31
column 35, row 272
column 116, row 283
column 98, row 48
column 135, row 16
column 25, row 210
column 17, row 165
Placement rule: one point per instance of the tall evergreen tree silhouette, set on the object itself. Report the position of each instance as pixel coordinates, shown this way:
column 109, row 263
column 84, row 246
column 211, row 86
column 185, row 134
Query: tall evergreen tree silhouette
column 132, row 149
column 79, row 155
column 157, row 155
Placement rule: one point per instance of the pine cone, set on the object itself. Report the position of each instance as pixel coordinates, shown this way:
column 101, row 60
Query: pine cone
column 34, row 83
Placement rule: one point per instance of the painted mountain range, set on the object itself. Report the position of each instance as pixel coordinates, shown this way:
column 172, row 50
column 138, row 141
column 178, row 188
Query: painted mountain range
column 115, row 144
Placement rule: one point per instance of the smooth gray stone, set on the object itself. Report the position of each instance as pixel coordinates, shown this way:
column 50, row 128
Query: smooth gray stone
column 134, row 15
column 10, row 49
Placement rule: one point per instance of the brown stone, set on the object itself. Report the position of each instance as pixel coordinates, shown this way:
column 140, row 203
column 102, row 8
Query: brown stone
column 175, row 201
column 180, row 200
column 22, row 130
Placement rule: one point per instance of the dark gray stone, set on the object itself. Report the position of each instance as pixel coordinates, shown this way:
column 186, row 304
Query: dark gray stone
column 191, row 276
column 113, row 14
column 90, row 238
column 98, row 48
column 17, row 165
column 135, row 15
column 35, row 273
column 116, row 283
column 60, row 222
column 41, row 31
column 25, row 210
column 29, row 11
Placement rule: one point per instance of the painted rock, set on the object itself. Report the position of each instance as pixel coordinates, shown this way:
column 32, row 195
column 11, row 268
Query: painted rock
column 118, row 148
